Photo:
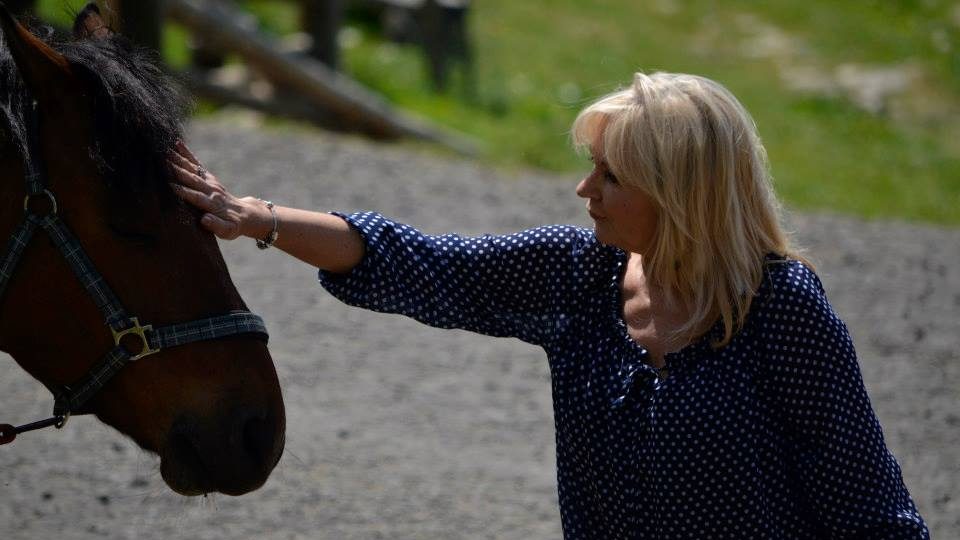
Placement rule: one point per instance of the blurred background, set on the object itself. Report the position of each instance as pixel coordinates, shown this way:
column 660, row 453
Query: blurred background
column 858, row 102
column 411, row 432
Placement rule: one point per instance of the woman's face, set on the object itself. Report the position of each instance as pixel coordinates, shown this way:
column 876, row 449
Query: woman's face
column 624, row 216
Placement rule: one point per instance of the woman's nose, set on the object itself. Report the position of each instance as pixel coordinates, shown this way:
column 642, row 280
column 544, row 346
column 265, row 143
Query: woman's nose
column 585, row 188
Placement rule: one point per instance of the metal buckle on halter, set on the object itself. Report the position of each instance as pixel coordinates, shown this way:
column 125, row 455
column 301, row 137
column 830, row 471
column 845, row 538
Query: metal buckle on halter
column 48, row 193
column 139, row 331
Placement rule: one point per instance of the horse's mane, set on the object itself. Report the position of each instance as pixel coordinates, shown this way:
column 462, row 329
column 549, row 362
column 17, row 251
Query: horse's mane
column 137, row 109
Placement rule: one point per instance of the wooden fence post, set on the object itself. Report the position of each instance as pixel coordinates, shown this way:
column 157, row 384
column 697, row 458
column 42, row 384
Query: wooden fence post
column 443, row 28
column 321, row 19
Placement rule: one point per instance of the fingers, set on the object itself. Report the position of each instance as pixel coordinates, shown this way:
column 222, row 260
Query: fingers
column 181, row 162
column 202, row 190
column 193, row 198
column 228, row 230
column 213, row 202
column 190, row 179
column 185, row 153
column 182, row 157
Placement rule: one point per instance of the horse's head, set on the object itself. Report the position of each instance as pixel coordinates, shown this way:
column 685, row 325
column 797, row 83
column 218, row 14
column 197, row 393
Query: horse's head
column 211, row 409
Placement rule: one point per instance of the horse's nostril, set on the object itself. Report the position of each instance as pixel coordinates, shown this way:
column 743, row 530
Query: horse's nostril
column 183, row 465
column 258, row 439
column 182, row 440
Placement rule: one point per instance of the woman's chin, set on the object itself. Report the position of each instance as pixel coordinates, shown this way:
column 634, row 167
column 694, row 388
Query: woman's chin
column 603, row 235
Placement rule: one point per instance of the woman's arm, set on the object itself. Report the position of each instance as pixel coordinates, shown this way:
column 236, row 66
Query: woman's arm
column 529, row 285
column 526, row 285
column 322, row 240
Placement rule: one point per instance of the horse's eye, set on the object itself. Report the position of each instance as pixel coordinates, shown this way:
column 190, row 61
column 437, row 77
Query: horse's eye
column 138, row 238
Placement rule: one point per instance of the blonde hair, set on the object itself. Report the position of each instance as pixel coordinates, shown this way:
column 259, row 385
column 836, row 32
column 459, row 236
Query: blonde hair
column 693, row 148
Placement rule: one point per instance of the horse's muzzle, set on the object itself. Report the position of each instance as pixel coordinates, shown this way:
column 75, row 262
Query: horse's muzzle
column 231, row 454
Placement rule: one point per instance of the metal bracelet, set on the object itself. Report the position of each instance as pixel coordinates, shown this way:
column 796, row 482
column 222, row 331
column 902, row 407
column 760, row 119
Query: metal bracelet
column 272, row 237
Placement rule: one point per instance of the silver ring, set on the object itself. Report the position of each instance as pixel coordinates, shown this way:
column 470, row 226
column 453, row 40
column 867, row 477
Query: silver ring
column 201, row 172
column 53, row 201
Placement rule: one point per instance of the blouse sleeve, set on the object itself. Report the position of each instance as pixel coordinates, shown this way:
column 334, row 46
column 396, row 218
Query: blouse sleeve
column 518, row 285
column 849, row 479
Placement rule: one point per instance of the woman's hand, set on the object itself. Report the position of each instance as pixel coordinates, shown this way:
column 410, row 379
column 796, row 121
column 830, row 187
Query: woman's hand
column 321, row 240
column 225, row 215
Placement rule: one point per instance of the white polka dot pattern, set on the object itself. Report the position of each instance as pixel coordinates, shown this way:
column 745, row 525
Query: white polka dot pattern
column 772, row 436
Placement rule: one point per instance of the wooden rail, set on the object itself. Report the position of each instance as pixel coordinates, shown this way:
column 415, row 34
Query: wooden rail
column 308, row 88
column 222, row 27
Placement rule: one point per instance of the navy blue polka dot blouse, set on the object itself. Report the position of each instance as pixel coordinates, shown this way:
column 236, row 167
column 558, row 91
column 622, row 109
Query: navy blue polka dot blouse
column 772, row 436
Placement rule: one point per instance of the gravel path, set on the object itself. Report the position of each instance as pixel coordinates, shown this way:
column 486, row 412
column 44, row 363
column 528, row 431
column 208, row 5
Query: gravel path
column 396, row 430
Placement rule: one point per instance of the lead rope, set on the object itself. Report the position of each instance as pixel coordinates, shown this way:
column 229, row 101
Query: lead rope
column 8, row 433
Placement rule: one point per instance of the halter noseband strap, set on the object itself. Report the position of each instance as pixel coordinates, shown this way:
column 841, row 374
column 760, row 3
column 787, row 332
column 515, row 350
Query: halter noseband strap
column 70, row 399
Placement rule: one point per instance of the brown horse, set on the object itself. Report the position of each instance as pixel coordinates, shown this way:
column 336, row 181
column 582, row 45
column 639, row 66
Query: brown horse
column 107, row 119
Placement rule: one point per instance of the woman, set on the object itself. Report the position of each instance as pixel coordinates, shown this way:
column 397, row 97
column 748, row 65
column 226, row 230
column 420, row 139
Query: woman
column 703, row 386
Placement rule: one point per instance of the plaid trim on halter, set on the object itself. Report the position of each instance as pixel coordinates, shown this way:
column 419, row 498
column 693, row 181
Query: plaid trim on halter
column 71, row 398
column 205, row 329
column 15, row 246
column 82, row 267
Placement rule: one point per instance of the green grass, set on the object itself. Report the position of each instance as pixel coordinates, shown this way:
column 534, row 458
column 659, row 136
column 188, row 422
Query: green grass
column 539, row 62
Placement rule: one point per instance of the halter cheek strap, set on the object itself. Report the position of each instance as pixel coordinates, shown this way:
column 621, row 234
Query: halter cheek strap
column 69, row 399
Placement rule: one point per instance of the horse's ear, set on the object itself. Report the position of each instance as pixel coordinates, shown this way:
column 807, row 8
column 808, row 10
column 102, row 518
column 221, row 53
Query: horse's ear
column 43, row 69
column 89, row 24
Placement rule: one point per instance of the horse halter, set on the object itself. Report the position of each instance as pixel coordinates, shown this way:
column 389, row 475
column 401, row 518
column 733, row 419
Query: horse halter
column 69, row 399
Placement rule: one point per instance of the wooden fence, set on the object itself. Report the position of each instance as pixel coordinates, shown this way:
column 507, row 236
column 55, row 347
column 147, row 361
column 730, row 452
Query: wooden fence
column 306, row 85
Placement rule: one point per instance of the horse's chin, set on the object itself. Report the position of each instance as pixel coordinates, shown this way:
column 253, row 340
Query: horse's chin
column 185, row 476
column 183, row 489
column 191, row 481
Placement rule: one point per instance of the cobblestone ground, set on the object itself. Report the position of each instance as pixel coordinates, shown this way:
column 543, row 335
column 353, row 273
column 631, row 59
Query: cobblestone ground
column 396, row 430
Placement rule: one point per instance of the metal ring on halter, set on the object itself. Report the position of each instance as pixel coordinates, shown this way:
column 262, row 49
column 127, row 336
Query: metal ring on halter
column 53, row 201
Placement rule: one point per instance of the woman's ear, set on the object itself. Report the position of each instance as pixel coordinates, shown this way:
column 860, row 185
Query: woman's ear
column 89, row 24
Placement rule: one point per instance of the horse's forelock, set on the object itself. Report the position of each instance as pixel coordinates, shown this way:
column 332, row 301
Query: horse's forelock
column 137, row 108
column 137, row 111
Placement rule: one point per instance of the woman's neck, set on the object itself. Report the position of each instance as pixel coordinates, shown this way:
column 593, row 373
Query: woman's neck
column 652, row 318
